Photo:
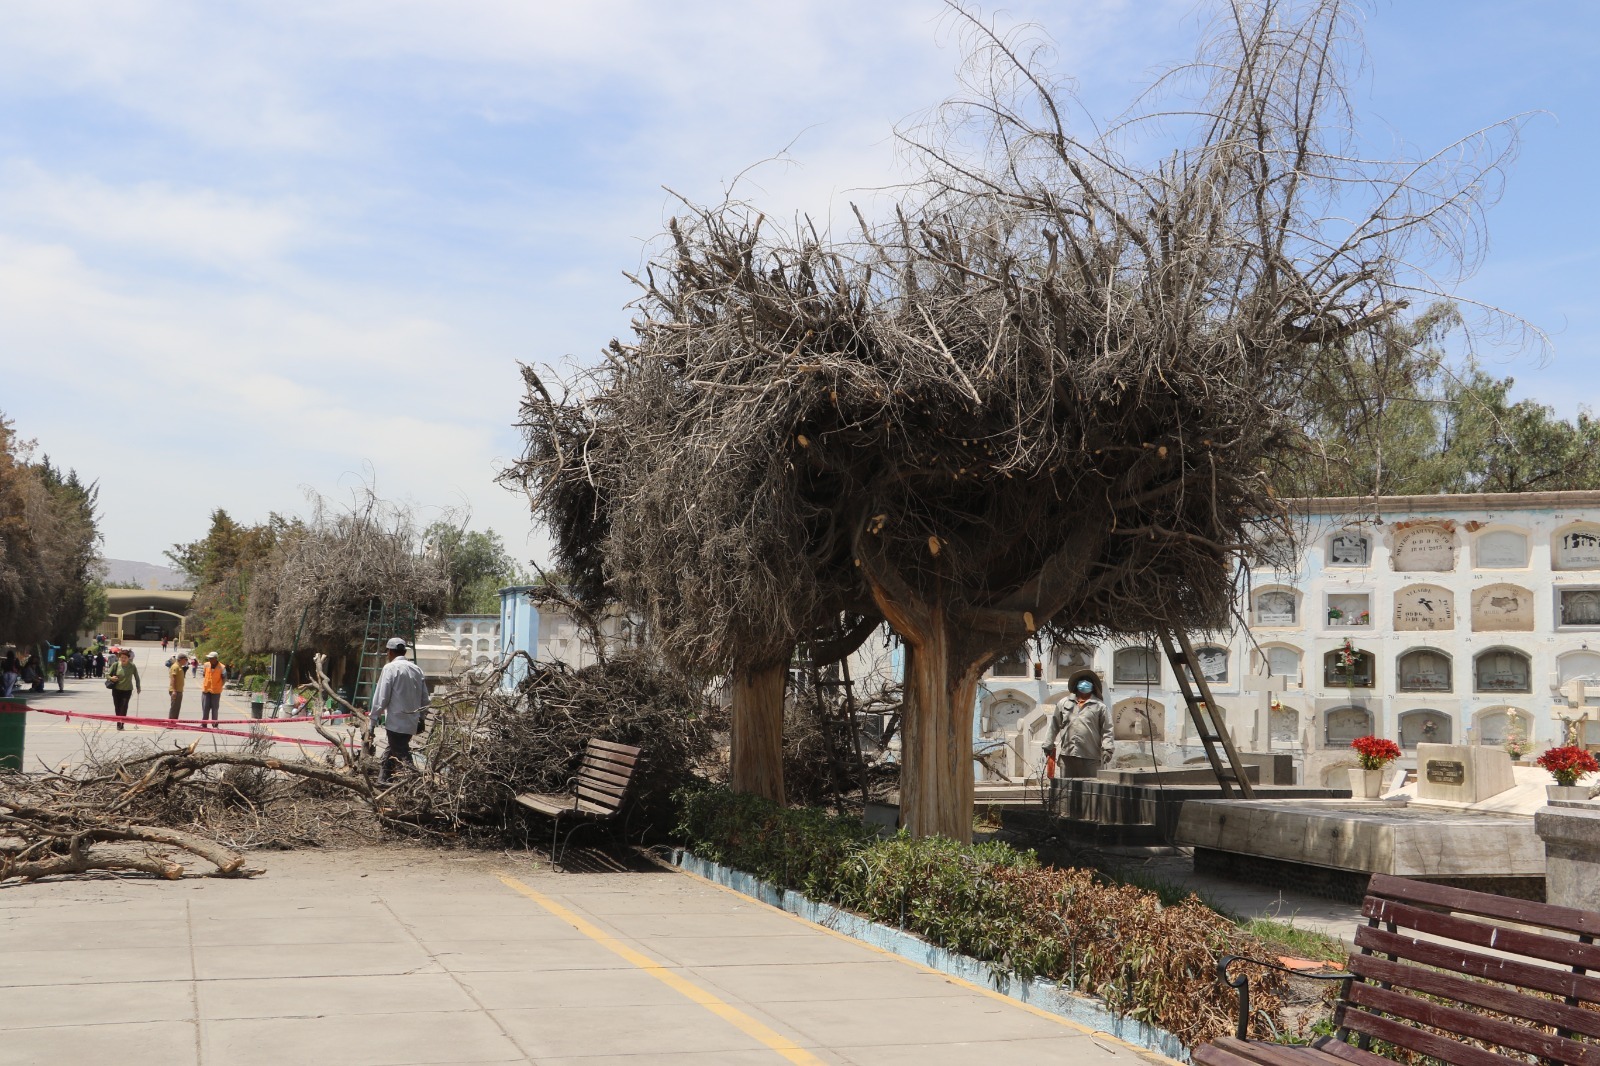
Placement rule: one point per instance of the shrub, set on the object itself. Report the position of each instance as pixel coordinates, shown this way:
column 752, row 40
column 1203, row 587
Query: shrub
column 1147, row 961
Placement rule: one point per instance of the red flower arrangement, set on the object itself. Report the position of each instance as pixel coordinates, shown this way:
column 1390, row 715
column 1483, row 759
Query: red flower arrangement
column 1375, row 752
column 1568, row 764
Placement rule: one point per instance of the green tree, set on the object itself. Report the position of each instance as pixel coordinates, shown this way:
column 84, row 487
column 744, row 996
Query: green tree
column 478, row 564
column 1378, row 402
column 1490, row 443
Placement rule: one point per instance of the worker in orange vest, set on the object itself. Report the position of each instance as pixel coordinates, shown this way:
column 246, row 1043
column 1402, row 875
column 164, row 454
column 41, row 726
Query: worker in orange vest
column 211, row 689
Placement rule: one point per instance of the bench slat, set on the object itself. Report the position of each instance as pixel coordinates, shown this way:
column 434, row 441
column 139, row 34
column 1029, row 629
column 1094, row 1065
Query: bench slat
column 604, row 767
column 1420, row 1040
column 1467, row 931
column 1338, row 1049
column 1229, row 1052
column 592, row 773
column 617, row 753
column 1485, row 905
column 1271, row 1054
column 1490, row 967
column 599, row 785
column 1467, row 1024
column 601, row 800
column 1478, row 994
column 615, row 748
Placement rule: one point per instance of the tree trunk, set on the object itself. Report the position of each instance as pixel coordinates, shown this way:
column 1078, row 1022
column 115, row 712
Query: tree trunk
column 757, row 742
column 936, row 775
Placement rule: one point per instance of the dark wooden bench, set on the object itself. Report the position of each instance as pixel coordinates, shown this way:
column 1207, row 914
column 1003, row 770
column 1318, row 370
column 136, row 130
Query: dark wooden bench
column 595, row 796
column 1466, row 978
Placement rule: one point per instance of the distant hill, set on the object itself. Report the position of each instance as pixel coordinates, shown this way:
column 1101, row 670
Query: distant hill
column 125, row 570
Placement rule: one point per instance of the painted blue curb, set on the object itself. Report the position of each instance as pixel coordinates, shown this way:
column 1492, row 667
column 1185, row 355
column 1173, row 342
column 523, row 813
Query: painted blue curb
column 1036, row 992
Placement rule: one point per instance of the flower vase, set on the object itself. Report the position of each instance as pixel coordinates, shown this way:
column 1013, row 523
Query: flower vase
column 1366, row 784
column 1569, row 793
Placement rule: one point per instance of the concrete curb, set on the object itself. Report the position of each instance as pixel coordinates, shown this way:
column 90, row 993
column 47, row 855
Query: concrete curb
column 1037, row 992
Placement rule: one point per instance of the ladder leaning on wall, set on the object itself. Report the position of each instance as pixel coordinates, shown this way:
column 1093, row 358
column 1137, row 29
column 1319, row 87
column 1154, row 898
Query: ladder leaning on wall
column 1206, row 715
column 384, row 620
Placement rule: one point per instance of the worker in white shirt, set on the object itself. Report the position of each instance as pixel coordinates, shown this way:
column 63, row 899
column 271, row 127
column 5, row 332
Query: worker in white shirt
column 400, row 705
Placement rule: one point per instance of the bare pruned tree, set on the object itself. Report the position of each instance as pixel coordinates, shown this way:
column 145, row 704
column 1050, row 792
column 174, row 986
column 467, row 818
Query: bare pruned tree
column 1047, row 399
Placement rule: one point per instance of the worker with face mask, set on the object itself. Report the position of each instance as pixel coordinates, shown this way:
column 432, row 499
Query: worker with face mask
column 1080, row 730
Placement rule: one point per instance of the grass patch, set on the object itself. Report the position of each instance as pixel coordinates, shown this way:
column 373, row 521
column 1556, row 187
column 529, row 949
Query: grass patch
column 1289, row 939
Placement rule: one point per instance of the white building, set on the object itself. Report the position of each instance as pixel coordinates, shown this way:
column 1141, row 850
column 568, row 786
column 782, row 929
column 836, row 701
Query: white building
column 476, row 637
column 1430, row 618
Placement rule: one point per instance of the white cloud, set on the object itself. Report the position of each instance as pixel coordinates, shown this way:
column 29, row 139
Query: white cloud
column 199, row 225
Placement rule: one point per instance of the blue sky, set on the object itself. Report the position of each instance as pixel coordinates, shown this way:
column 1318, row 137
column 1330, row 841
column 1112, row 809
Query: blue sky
column 249, row 250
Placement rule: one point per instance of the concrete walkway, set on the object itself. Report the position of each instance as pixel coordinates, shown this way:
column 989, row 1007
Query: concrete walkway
column 400, row 955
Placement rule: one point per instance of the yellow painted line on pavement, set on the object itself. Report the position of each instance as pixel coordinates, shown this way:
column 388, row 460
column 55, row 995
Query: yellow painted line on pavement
column 1097, row 1034
column 721, row 1008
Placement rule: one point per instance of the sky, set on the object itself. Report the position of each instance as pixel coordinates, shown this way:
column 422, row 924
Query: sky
column 254, row 250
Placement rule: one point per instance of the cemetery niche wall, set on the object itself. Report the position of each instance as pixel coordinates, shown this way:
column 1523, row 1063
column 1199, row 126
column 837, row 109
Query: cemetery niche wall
column 1526, row 569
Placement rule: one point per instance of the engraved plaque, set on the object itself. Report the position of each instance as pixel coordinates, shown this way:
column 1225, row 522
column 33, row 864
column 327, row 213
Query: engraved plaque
column 1446, row 772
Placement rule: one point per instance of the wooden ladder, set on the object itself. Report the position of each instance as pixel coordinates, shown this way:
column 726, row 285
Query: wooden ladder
column 1206, row 715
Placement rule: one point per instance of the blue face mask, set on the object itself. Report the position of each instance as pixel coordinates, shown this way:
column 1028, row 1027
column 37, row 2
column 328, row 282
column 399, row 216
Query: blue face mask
column 1083, row 688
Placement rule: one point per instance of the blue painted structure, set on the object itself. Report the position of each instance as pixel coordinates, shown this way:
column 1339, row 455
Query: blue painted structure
column 519, row 631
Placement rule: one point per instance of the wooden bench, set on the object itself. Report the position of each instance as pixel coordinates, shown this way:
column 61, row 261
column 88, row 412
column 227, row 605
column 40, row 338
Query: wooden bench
column 594, row 797
column 1431, row 961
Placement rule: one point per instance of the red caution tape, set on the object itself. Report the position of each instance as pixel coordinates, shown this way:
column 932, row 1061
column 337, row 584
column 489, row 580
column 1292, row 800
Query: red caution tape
column 181, row 724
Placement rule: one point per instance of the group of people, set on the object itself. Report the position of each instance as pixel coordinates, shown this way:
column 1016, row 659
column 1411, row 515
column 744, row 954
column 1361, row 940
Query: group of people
column 399, row 702
column 83, row 663
column 123, row 680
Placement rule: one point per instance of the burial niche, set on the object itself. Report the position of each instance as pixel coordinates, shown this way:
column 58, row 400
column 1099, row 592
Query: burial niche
column 1283, row 725
column 1277, row 607
column 1135, row 666
column 1576, row 664
column 1005, row 713
column 1070, row 658
column 1347, row 669
column 1345, row 724
column 1213, row 662
column 1502, row 609
column 1284, row 662
column 1139, row 719
column 1502, row 549
column 1349, row 548
column 1424, row 608
column 1424, row 548
column 1496, row 726
column 1423, row 670
column 1577, row 548
column 1502, row 670
column 1580, row 607
column 1012, row 664
column 1425, row 727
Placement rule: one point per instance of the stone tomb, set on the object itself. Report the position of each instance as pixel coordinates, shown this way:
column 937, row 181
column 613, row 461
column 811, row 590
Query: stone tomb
column 1366, row 838
column 1462, row 773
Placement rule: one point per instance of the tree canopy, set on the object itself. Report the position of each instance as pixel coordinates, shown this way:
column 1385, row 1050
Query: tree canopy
column 49, row 547
column 477, row 563
column 1051, row 395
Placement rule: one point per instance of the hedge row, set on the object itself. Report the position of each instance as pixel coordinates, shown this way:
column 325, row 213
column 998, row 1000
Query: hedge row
column 994, row 903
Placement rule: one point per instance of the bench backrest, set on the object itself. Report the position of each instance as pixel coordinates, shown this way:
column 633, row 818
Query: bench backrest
column 1443, row 972
column 606, row 773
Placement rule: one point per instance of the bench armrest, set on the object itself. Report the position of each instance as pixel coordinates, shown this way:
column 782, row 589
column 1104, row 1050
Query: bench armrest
column 1241, row 984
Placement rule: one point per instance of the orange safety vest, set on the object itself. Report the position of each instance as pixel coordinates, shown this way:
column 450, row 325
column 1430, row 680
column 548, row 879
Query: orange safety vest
column 212, row 681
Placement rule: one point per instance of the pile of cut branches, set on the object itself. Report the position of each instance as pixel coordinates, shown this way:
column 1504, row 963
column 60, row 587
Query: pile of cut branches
column 159, row 811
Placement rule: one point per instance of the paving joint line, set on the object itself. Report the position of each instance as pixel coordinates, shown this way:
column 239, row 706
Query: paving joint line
column 476, row 1002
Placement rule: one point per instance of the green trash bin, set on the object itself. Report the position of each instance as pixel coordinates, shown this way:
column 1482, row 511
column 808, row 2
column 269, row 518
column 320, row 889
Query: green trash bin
column 13, row 725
